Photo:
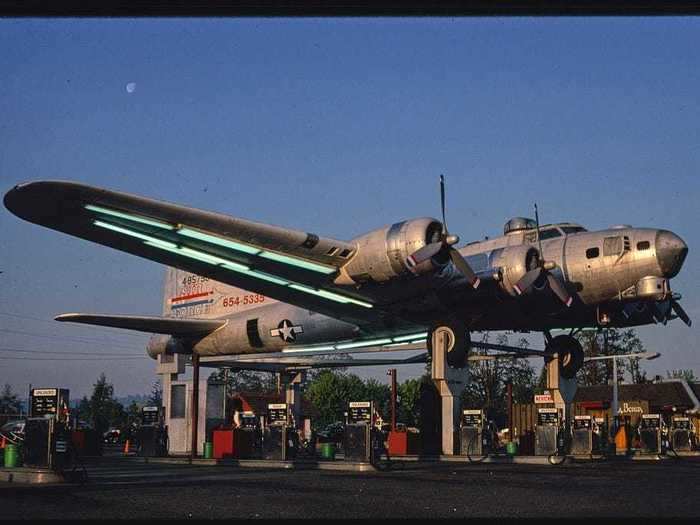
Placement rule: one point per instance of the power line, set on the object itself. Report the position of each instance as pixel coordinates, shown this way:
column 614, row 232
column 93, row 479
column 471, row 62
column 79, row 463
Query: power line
column 116, row 331
column 67, row 338
column 26, row 351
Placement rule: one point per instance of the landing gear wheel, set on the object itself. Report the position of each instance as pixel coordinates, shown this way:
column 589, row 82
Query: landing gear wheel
column 570, row 354
column 458, row 342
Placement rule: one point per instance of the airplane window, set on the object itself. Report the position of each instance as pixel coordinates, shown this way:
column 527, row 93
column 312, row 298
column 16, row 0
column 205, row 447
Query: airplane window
column 644, row 245
column 592, row 253
column 573, row 229
column 612, row 246
column 478, row 262
column 549, row 234
column 345, row 252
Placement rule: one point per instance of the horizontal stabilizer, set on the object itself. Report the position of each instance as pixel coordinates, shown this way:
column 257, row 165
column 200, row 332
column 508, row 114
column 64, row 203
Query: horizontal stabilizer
column 157, row 325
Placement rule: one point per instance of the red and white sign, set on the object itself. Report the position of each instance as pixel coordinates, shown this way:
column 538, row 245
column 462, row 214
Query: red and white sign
column 544, row 398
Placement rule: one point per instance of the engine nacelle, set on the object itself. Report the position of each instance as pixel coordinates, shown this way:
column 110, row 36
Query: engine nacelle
column 513, row 263
column 381, row 254
column 166, row 344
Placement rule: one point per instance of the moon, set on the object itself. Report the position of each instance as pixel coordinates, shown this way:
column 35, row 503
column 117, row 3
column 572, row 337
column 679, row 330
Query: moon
column 131, row 87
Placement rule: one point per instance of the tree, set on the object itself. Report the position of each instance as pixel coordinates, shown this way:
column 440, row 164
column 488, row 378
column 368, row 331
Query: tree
column 156, row 397
column 331, row 391
column 486, row 388
column 684, row 373
column 408, row 406
column 610, row 341
column 246, row 380
column 9, row 402
column 103, row 410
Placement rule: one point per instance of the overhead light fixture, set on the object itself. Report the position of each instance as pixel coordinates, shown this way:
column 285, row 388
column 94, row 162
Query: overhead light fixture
column 129, row 217
column 293, row 261
column 360, row 344
column 413, row 337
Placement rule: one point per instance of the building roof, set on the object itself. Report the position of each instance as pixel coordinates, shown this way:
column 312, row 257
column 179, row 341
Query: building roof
column 657, row 394
column 258, row 402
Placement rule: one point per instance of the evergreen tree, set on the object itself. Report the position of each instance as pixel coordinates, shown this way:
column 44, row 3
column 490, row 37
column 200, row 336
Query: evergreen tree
column 9, row 402
column 682, row 373
column 104, row 410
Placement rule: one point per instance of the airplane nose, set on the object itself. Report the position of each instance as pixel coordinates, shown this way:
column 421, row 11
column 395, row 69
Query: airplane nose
column 670, row 252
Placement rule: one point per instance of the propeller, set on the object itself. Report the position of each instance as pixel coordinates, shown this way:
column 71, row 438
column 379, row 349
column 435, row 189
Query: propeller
column 678, row 310
column 543, row 269
column 443, row 247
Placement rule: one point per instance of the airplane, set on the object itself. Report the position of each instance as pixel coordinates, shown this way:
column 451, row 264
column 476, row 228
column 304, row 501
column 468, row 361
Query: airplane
column 256, row 292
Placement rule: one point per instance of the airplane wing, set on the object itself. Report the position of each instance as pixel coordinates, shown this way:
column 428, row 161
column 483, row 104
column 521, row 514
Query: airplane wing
column 292, row 266
column 154, row 325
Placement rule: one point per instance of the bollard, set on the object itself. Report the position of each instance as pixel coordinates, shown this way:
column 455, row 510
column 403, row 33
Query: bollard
column 11, row 457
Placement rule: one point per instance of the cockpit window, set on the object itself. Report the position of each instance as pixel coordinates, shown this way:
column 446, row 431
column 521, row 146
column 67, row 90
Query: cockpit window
column 592, row 253
column 549, row 234
column 612, row 246
column 643, row 245
column 573, row 229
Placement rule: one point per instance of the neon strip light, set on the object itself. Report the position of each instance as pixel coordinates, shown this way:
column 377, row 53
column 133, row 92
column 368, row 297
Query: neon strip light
column 155, row 242
column 423, row 335
column 297, row 262
column 187, row 232
column 128, row 217
column 229, row 265
column 363, row 343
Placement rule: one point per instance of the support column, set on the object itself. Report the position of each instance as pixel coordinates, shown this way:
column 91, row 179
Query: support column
column 563, row 389
column 195, row 403
column 292, row 394
column 450, row 384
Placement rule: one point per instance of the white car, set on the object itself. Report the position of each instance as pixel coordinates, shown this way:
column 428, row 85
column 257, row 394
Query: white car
column 13, row 428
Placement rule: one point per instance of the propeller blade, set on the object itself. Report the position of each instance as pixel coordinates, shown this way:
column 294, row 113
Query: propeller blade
column 678, row 309
column 463, row 266
column 442, row 205
column 660, row 311
column 559, row 290
column 527, row 280
column 423, row 254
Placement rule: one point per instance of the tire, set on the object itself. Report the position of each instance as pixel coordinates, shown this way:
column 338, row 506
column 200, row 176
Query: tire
column 459, row 343
column 570, row 354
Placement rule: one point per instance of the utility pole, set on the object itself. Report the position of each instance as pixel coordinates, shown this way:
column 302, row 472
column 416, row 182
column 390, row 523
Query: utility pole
column 195, row 402
column 392, row 372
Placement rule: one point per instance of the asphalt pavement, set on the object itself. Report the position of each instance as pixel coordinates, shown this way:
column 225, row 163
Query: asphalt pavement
column 130, row 489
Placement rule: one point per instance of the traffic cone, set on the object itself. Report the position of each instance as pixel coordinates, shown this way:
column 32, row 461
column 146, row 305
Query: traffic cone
column 126, row 447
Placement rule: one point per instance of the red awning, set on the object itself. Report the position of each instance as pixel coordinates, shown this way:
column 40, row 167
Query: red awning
column 591, row 404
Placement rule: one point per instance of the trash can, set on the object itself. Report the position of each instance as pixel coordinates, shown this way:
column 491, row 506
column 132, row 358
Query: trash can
column 511, row 448
column 328, row 450
column 208, row 450
column 11, row 456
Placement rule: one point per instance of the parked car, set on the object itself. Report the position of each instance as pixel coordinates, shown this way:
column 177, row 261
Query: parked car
column 13, row 430
column 333, row 433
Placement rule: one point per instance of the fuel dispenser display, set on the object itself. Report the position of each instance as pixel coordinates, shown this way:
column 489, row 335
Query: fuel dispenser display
column 152, row 436
column 582, row 441
column 681, row 432
column 650, row 433
column 546, row 431
column 470, row 434
column 275, row 442
column 358, row 432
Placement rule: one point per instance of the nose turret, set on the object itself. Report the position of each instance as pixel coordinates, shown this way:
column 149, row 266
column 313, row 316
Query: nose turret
column 670, row 253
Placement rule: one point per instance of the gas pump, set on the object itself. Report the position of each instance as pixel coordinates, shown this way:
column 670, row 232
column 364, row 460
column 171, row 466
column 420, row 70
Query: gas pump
column 650, row 433
column 152, row 437
column 47, row 439
column 358, row 430
column 680, row 439
column 546, row 430
column 275, row 442
column 582, row 436
column 470, row 434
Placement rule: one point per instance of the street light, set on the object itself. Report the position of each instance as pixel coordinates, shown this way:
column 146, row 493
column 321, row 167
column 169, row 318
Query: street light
column 641, row 355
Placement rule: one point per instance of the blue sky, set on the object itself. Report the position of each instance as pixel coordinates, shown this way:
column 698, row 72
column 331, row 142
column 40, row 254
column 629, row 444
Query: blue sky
column 337, row 126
